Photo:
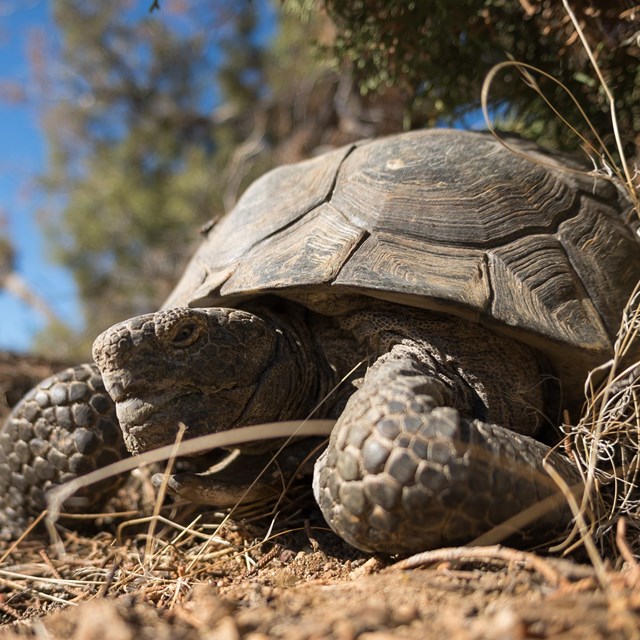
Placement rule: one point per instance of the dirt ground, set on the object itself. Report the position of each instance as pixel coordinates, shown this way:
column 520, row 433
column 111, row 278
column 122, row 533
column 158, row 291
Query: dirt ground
column 311, row 595
column 261, row 576
column 217, row 579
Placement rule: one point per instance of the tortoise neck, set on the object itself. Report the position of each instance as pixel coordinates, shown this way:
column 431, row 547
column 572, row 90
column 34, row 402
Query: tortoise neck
column 299, row 376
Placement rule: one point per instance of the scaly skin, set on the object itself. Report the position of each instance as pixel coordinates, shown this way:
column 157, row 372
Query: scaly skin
column 405, row 471
column 414, row 461
column 417, row 458
column 63, row 428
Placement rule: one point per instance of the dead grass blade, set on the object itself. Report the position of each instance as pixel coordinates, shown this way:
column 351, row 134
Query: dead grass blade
column 162, row 491
column 608, row 92
column 487, row 555
column 605, row 444
column 196, row 445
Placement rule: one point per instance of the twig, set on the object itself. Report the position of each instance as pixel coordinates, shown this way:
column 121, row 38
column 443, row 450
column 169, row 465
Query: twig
column 104, row 589
column 56, row 574
column 25, row 533
column 626, row 553
column 586, row 537
column 266, row 559
column 162, row 491
column 495, row 554
column 10, row 610
column 605, row 87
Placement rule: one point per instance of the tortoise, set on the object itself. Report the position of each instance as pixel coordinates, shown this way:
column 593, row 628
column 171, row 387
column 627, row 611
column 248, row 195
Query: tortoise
column 439, row 295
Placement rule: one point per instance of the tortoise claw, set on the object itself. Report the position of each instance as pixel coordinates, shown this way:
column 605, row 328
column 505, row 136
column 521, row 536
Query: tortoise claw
column 209, row 489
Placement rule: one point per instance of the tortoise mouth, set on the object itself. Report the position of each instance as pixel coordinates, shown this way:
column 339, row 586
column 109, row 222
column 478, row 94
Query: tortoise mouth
column 154, row 420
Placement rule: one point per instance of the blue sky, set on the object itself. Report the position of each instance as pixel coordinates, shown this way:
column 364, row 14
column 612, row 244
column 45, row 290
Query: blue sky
column 22, row 158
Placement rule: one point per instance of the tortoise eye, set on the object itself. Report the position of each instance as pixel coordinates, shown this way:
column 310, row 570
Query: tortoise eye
column 186, row 334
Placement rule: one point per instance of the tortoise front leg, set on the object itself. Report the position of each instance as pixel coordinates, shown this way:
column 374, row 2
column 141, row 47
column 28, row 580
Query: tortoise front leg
column 63, row 428
column 405, row 471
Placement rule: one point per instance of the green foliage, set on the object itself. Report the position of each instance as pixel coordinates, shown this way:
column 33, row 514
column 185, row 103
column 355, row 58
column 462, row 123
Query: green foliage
column 137, row 155
column 159, row 121
column 438, row 53
column 240, row 78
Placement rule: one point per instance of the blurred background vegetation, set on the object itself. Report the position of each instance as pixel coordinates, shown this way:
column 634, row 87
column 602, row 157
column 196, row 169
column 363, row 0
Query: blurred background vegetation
column 157, row 120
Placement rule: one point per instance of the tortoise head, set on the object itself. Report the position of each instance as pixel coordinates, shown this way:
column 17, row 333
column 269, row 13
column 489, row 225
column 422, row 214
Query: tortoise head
column 199, row 367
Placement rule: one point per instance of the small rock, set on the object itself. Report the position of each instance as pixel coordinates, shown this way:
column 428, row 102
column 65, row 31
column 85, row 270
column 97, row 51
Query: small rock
column 344, row 630
column 405, row 613
column 504, row 624
column 226, row 629
column 100, row 620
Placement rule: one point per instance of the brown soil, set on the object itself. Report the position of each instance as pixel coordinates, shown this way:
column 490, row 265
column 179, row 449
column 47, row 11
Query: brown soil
column 303, row 583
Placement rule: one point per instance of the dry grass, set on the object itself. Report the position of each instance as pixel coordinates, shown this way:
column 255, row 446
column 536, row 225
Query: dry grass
column 161, row 557
column 158, row 557
column 605, row 443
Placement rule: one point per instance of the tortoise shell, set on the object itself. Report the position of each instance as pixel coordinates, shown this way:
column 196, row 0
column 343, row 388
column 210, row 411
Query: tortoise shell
column 446, row 220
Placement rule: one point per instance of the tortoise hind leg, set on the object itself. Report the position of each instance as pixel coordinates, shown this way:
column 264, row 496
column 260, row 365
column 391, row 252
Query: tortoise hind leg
column 405, row 471
column 63, row 428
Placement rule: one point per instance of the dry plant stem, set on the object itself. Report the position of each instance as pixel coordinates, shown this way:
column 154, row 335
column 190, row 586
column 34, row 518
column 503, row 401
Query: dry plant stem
column 585, row 534
column 162, row 491
column 605, row 86
column 189, row 529
column 631, row 324
column 104, row 589
column 211, row 538
column 600, row 423
column 242, row 554
column 625, row 551
column 621, row 348
column 524, row 68
column 297, row 432
column 179, row 584
column 44, row 580
column 17, row 581
column 70, row 590
column 196, row 445
column 18, row 586
column 10, row 610
column 291, row 481
column 265, row 560
column 170, row 523
column 93, row 516
column 24, row 535
column 492, row 555
column 626, row 337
